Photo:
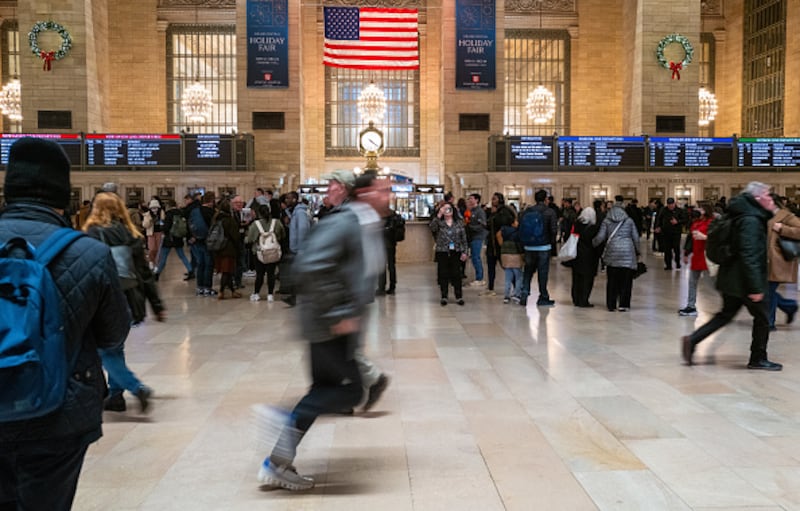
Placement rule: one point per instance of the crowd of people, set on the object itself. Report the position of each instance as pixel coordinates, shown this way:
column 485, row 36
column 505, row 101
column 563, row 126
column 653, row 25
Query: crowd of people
column 331, row 271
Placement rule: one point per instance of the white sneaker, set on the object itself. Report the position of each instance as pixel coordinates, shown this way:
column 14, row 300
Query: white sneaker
column 249, row 273
column 477, row 283
column 283, row 477
column 270, row 298
column 255, row 297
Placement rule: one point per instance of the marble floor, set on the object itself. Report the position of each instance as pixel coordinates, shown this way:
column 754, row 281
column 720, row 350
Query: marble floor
column 490, row 407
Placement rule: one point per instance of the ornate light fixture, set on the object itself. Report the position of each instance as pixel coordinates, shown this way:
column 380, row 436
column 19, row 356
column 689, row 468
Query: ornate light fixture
column 10, row 102
column 541, row 106
column 708, row 107
column 196, row 103
column 372, row 104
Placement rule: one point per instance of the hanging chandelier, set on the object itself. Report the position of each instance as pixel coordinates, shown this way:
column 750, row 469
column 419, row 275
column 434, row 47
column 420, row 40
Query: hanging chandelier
column 372, row 104
column 541, row 105
column 708, row 107
column 10, row 102
column 196, row 103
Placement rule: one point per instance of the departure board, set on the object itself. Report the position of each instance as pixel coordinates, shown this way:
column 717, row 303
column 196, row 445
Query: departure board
column 70, row 142
column 769, row 152
column 612, row 152
column 691, row 152
column 209, row 151
column 531, row 153
column 124, row 150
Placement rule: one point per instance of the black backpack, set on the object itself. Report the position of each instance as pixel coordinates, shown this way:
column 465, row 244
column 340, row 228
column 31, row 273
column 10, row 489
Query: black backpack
column 719, row 244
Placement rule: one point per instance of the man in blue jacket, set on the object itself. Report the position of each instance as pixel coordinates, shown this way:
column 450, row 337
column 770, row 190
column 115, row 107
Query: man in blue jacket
column 41, row 458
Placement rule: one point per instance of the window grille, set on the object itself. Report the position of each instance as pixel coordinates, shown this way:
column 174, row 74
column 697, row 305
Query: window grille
column 764, row 67
column 9, row 31
column 204, row 53
column 532, row 58
column 400, row 124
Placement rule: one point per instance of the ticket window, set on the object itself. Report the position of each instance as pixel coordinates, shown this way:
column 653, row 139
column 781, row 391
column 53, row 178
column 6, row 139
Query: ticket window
column 134, row 196
column 195, row 190
column 513, row 196
column 792, row 193
column 657, row 193
column 736, row 190
column 166, row 194
column 628, row 192
column 226, row 192
column 600, row 193
column 573, row 193
column 683, row 196
column 75, row 199
column 712, row 193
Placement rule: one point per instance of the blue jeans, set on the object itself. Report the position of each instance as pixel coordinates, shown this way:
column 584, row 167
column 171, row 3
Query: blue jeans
column 777, row 301
column 513, row 282
column 205, row 265
column 120, row 378
column 162, row 258
column 475, row 247
column 536, row 261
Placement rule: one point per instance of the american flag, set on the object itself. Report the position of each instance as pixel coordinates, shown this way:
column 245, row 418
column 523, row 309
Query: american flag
column 371, row 38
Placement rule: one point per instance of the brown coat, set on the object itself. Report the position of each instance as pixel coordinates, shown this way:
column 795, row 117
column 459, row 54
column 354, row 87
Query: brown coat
column 781, row 270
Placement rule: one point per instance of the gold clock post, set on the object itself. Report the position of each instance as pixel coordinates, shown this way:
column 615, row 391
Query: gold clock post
column 370, row 145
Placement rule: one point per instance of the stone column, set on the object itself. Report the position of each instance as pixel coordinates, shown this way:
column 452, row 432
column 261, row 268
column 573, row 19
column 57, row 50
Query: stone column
column 72, row 80
column 649, row 90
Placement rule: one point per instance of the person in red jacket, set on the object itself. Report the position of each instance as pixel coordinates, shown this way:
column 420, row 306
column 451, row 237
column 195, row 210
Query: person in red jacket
column 696, row 247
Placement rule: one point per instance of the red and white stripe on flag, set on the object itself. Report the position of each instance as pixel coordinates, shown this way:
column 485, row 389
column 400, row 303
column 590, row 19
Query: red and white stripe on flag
column 371, row 38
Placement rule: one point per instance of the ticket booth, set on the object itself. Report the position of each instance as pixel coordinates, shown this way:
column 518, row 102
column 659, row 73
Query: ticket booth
column 513, row 195
column 402, row 202
column 658, row 193
column 628, row 192
column 793, row 193
column 712, row 193
column 735, row 190
column 192, row 190
column 166, row 193
column 572, row 192
column 683, row 195
column 600, row 192
column 75, row 199
column 226, row 192
column 134, row 196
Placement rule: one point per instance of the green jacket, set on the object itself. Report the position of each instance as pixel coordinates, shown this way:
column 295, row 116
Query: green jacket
column 746, row 273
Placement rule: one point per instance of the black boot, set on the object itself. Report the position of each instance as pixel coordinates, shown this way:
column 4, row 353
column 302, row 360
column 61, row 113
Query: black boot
column 114, row 403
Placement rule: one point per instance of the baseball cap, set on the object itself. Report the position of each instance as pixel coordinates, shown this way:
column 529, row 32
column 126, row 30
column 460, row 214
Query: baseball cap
column 346, row 177
column 670, row 201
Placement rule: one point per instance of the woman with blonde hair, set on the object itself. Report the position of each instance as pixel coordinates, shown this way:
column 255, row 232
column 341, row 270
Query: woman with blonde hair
column 110, row 223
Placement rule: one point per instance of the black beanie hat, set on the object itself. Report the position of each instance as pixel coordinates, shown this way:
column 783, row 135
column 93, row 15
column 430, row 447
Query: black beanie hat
column 38, row 171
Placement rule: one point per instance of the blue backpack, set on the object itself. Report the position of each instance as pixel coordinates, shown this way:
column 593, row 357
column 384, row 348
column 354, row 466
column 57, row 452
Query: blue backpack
column 531, row 229
column 34, row 370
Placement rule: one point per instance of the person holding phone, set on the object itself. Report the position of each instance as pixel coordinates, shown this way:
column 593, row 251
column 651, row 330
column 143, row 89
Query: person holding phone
column 451, row 251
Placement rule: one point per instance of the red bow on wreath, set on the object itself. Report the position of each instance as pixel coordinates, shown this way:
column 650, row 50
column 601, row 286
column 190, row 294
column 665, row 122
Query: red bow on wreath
column 48, row 57
column 675, row 67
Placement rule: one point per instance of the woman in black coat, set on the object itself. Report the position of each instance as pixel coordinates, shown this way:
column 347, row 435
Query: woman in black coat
column 584, row 266
column 169, row 242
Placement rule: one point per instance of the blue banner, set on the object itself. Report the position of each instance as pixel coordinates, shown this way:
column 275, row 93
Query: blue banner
column 476, row 52
column 267, row 43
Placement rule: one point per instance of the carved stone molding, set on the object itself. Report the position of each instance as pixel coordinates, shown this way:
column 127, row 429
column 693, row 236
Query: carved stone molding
column 411, row 4
column 536, row 6
column 227, row 4
column 711, row 7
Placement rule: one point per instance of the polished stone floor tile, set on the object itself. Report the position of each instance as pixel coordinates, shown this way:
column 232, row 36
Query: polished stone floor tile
column 491, row 406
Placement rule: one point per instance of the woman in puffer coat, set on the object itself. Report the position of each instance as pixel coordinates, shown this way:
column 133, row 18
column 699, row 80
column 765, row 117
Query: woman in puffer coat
column 783, row 224
column 621, row 255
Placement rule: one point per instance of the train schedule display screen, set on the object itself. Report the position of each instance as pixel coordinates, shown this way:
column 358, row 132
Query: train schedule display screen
column 123, row 150
column 668, row 152
column 208, row 151
column 611, row 152
column 531, row 152
column 768, row 152
column 70, row 142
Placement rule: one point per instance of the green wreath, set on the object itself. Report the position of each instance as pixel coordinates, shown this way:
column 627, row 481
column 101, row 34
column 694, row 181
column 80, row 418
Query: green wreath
column 47, row 56
column 688, row 50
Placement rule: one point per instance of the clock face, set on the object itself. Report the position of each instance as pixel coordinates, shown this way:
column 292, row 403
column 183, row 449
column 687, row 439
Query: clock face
column 371, row 140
